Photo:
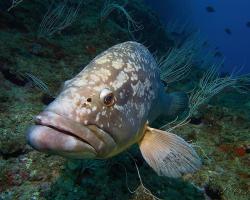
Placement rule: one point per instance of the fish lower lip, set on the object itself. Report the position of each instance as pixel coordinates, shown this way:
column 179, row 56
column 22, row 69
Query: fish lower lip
column 46, row 139
column 74, row 129
column 57, row 134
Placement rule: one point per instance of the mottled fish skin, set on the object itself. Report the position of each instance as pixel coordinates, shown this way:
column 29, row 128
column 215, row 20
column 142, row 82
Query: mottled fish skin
column 108, row 107
column 130, row 71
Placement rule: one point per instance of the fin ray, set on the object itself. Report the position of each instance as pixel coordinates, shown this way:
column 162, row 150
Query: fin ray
column 168, row 154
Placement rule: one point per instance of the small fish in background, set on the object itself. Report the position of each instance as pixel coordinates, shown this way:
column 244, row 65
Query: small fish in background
column 248, row 24
column 205, row 44
column 218, row 54
column 228, row 31
column 177, row 34
column 210, row 9
column 109, row 106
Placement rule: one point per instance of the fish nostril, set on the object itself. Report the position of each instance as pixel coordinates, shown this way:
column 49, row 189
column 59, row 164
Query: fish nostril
column 89, row 99
column 38, row 119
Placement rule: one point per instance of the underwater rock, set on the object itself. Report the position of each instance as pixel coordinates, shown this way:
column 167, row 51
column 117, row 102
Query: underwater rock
column 44, row 48
column 90, row 50
column 46, row 99
column 13, row 77
column 213, row 192
column 36, row 49
column 26, row 174
column 195, row 121
column 240, row 151
column 247, row 147
column 226, row 148
column 8, row 22
column 12, row 152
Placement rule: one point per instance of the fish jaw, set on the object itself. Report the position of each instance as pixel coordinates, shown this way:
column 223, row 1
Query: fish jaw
column 56, row 134
column 49, row 140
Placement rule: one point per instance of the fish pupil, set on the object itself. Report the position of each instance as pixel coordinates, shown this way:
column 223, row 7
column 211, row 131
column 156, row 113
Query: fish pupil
column 108, row 100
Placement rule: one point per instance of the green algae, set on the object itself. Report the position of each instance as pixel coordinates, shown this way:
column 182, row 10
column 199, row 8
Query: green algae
column 217, row 139
column 113, row 179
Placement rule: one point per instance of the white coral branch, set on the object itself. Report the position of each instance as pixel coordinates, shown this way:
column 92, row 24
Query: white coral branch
column 58, row 18
column 14, row 4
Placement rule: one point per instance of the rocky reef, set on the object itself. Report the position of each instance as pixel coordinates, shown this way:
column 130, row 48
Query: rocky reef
column 34, row 64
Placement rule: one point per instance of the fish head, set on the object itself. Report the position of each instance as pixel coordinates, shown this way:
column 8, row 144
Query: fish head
column 98, row 113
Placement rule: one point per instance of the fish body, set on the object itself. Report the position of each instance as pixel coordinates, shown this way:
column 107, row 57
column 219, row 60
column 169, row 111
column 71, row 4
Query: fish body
column 109, row 106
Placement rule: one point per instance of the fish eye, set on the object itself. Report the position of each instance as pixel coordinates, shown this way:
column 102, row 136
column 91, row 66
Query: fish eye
column 107, row 97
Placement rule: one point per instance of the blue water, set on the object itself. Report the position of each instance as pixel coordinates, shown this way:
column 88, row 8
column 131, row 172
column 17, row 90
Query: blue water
column 229, row 14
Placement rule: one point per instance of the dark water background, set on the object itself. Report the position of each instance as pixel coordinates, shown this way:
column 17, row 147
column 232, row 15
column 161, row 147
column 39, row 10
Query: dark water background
column 230, row 14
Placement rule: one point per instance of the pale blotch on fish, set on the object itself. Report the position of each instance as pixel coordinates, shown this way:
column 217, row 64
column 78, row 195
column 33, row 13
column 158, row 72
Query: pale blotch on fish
column 120, row 80
column 104, row 59
column 117, row 64
column 134, row 77
column 94, row 78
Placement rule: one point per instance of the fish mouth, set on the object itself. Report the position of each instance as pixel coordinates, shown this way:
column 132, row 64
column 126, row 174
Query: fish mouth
column 57, row 134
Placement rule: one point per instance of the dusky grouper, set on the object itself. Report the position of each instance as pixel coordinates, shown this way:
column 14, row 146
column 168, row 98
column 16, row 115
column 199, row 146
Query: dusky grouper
column 109, row 106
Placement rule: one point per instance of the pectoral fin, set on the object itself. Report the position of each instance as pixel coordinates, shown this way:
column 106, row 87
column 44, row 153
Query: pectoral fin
column 168, row 154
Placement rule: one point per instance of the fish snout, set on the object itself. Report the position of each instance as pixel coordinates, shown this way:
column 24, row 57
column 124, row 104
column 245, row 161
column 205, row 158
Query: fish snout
column 48, row 140
column 56, row 134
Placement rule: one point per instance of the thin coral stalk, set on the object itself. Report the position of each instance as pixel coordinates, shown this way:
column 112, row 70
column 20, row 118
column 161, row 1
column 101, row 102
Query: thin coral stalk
column 58, row 18
column 14, row 4
column 209, row 85
column 109, row 7
column 176, row 64
column 39, row 83
column 141, row 186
